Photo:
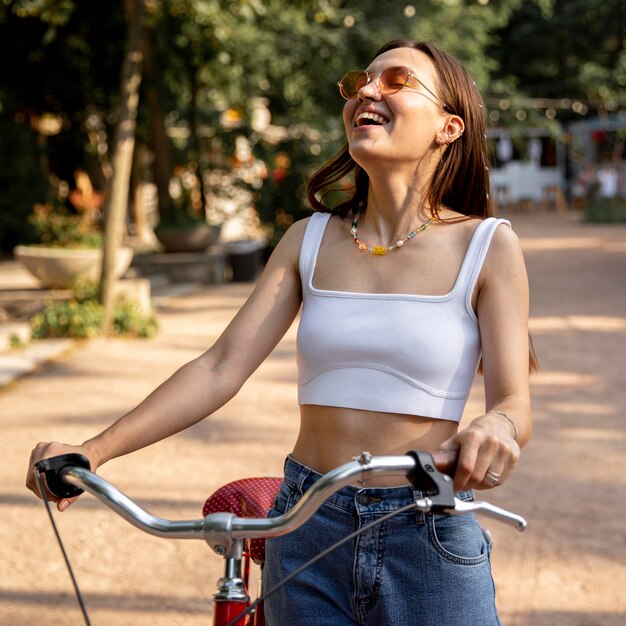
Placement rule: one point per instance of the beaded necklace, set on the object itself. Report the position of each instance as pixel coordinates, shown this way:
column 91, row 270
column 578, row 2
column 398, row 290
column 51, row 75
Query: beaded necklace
column 381, row 250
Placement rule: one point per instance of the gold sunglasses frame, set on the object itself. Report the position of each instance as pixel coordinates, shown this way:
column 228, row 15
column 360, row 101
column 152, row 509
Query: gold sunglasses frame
column 371, row 75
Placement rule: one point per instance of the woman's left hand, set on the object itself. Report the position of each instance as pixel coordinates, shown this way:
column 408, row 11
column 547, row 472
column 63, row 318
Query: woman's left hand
column 487, row 453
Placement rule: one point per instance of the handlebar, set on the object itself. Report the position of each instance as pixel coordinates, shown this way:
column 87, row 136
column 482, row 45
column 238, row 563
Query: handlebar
column 69, row 475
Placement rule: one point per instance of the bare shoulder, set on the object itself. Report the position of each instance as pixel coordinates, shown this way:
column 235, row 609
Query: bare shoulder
column 504, row 257
column 288, row 248
column 505, row 244
column 296, row 230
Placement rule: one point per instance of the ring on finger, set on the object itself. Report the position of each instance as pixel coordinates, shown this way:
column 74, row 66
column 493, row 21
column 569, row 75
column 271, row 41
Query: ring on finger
column 493, row 477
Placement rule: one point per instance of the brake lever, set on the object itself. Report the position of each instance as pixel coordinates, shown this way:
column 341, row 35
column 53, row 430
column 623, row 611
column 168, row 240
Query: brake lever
column 485, row 508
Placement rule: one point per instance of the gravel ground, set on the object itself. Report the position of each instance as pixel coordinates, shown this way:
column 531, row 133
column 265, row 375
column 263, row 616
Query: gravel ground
column 568, row 569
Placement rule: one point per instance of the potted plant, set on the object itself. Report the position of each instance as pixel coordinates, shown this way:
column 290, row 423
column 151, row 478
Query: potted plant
column 183, row 226
column 70, row 239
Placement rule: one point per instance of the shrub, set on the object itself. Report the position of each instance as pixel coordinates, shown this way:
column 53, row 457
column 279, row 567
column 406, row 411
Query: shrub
column 56, row 226
column 130, row 320
column 68, row 319
column 83, row 316
column 606, row 211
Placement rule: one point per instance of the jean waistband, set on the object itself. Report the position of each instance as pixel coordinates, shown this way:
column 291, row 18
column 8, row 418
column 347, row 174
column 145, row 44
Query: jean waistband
column 301, row 477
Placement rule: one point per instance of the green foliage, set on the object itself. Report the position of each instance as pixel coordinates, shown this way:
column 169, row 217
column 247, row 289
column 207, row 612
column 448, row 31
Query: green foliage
column 576, row 52
column 606, row 211
column 64, row 64
column 213, row 57
column 84, row 290
column 83, row 317
column 219, row 56
column 68, row 319
column 57, row 227
column 21, row 181
column 281, row 200
column 130, row 321
column 16, row 342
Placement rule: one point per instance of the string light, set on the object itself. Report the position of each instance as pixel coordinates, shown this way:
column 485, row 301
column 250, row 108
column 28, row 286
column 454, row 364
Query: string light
column 551, row 106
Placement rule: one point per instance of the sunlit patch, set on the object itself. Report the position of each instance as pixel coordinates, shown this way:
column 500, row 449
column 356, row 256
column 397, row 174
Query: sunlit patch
column 596, row 323
column 594, row 434
column 581, row 408
column 615, row 246
column 561, row 243
column 546, row 378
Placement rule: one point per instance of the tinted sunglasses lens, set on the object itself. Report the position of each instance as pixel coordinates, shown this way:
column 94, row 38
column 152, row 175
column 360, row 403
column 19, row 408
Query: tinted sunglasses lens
column 351, row 83
column 393, row 79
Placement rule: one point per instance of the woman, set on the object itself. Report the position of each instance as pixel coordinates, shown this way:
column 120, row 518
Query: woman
column 388, row 345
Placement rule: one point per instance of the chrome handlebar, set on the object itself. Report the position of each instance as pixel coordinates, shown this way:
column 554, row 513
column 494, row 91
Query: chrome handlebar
column 223, row 531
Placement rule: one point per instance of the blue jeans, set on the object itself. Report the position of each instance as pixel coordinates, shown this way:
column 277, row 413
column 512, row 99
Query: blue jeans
column 414, row 569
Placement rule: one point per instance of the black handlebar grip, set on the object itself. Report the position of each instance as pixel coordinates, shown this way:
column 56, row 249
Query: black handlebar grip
column 51, row 468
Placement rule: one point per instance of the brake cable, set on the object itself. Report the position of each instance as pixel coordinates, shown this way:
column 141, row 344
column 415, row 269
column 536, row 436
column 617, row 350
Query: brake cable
column 44, row 496
column 437, row 486
column 248, row 610
column 424, row 475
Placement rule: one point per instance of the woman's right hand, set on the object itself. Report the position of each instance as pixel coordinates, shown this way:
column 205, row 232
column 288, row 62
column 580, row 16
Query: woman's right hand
column 45, row 450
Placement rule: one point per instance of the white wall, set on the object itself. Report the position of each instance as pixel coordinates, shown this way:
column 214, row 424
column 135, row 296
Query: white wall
column 517, row 180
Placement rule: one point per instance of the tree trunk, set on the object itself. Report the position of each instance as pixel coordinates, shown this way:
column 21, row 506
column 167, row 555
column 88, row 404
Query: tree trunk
column 194, row 139
column 162, row 168
column 139, row 216
column 117, row 203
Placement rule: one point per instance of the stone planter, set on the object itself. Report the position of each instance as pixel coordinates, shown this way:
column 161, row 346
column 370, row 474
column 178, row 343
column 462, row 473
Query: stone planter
column 186, row 239
column 62, row 267
column 246, row 259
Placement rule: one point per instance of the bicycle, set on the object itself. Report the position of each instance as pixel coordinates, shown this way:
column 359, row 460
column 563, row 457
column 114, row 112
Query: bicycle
column 225, row 532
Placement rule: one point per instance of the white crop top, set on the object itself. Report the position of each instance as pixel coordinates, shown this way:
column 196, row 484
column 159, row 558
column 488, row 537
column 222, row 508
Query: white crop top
column 393, row 353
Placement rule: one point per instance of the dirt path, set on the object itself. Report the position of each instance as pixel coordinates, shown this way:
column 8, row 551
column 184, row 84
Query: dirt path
column 569, row 569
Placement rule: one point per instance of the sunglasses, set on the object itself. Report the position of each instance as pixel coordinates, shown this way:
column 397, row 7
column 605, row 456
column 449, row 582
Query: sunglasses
column 391, row 81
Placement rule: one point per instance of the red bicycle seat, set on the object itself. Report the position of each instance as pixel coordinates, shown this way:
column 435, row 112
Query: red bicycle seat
column 248, row 497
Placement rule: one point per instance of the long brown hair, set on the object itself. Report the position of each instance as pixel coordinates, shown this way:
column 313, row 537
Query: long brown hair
column 461, row 179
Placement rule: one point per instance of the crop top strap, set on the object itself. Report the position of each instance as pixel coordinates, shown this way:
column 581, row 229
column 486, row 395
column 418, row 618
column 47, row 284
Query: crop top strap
column 475, row 257
column 311, row 244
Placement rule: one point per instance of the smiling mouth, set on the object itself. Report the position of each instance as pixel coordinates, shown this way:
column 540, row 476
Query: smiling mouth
column 368, row 118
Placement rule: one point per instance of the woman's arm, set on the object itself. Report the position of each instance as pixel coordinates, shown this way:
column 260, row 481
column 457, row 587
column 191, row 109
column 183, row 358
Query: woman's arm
column 205, row 384
column 492, row 441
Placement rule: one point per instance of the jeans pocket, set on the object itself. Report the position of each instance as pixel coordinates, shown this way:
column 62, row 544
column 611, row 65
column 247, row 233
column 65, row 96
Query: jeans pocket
column 285, row 499
column 459, row 539
column 486, row 536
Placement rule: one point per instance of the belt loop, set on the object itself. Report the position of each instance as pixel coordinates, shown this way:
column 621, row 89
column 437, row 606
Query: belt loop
column 302, row 476
column 420, row 516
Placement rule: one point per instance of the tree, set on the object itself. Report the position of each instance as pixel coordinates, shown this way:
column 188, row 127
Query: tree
column 570, row 53
column 117, row 202
column 59, row 83
column 206, row 58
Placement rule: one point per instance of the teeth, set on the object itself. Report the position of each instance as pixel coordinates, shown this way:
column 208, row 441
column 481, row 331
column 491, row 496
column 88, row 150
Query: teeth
column 368, row 115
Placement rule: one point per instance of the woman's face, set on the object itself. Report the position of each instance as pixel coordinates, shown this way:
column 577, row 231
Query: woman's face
column 400, row 127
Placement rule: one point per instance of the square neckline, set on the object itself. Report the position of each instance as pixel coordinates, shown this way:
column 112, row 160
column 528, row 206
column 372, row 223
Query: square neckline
column 390, row 295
